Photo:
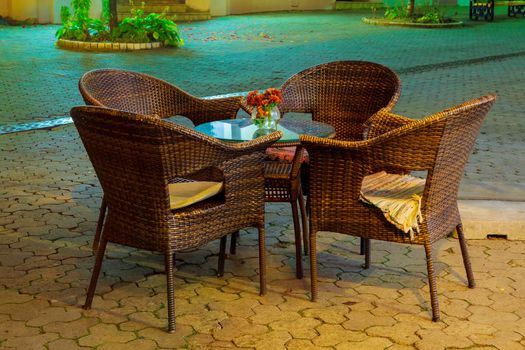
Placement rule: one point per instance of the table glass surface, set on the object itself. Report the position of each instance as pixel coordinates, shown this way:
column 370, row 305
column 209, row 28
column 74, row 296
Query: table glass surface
column 240, row 130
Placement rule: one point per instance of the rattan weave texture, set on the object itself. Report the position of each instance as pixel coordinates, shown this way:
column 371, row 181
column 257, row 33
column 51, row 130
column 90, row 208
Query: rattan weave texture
column 135, row 158
column 143, row 94
column 343, row 94
column 439, row 144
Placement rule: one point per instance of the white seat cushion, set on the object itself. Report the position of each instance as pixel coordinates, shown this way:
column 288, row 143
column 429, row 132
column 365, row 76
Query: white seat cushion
column 397, row 196
column 183, row 194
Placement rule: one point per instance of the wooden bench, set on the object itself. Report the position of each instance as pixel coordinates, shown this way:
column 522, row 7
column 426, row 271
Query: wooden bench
column 485, row 8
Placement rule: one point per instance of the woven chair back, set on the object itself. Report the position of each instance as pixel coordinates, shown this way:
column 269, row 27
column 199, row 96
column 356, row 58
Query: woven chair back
column 132, row 156
column 461, row 126
column 132, row 92
column 343, row 94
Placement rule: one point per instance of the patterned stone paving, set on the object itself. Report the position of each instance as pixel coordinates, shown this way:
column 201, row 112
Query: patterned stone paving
column 50, row 197
column 46, row 226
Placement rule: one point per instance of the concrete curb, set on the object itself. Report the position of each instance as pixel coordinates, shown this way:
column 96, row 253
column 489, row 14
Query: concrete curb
column 484, row 219
column 385, row 22
column 106, row 46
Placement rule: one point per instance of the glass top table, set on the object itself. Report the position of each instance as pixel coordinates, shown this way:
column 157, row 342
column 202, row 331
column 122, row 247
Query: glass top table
column 240, row 130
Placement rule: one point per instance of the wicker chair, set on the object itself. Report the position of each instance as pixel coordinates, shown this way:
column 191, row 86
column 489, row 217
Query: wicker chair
column 439, row 144
column 143, row 94
column 136, row 157
column 343, row 94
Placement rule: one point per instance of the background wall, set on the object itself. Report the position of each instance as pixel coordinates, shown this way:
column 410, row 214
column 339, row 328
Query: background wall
column 200, row 5
column 5, row 7
column 246, row 6
column 46, row 11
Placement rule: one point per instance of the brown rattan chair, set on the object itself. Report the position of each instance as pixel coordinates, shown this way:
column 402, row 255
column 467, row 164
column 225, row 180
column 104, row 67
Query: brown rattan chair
column 135, row 158
column 143, row 94
column 439, row 144
column 343, row 94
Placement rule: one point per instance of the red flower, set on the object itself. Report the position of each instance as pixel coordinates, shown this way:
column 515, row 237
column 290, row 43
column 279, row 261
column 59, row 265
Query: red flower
column 264, row 101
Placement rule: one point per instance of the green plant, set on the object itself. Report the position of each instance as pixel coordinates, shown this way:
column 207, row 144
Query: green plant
column 395, row 12
column 105, row 11
column 431, row 17
column 78, row 25
column 148, row 28
column 424, row 13
column 137, row 28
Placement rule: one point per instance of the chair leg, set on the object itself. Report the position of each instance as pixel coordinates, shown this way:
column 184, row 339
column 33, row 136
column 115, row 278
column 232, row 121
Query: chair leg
column 297, row 230
column 304, row 221
column 366, row 247
column 362, row 246
column 313, row 265
column 432, row 283
column 168, row 262
column 222, row 256
column 95, row 274
column 466, row 258
column 233, row 242
column 262, row 261
column 100, row 223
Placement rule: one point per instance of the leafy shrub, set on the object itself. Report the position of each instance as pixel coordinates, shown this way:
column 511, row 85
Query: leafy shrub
column 78, row 26
column 395, row 12
column 139, row 27
column 431, row 17
column 424, row 14
column 148, row 28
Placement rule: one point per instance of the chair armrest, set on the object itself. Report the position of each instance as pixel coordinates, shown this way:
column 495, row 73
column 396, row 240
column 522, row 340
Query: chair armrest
column 382, row 122
column 411, row 147
column 244, row 178
column 228, row 105
column 336, row 168
column 208, row 110
column 193, row 151
column 244, row 106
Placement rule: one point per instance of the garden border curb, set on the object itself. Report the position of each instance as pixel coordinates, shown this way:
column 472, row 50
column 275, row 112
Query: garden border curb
column 106, row 46
column 384, row 22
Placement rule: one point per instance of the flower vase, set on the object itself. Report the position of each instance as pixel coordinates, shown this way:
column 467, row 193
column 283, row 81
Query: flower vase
column 268, row 121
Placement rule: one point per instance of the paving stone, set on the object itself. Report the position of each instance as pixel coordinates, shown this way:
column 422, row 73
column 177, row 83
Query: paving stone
column 25, row 311
column 104, row 333
column 9, row 329
column 330, row 335
column 235, row 327
column 142, row 344
column 65, row 344
column 486, row 315
column 72, row 329
column 400, row 333
column 302, row 344
column 54, row 314
column 13, row 297
column 369, row 343
column 235, row 308
column 36, row 341
column 167, row 340
column 331, row 314
column 205, row 322
column 361, row 320
column 266, row 314
column 302, row 328
column 437, row 339
column 501, row 340
column 199, row 341
column 267, row 341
